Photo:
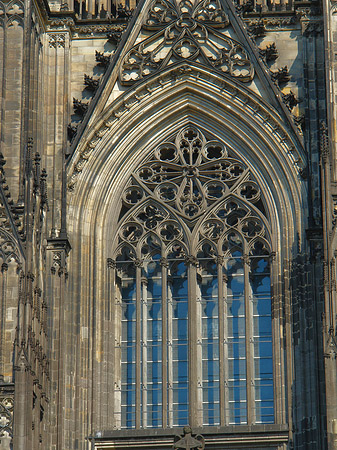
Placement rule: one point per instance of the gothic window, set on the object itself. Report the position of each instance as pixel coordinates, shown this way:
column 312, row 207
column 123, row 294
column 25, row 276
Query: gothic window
column 193, row 290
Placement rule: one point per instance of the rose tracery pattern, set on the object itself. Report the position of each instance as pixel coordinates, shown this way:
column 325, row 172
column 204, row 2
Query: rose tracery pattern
column 190, row 182
column 184, row 31
column 190, row 174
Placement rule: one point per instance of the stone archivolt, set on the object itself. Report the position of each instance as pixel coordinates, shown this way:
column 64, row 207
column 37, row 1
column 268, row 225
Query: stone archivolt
column 251, row 109
column 186, row 32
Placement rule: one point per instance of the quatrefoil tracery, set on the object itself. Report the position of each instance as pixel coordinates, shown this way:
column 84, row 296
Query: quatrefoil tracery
column 191, row 189
column 184, row 31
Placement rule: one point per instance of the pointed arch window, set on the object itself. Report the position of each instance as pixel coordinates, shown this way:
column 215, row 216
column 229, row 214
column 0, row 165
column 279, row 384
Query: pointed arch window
column 193, row 304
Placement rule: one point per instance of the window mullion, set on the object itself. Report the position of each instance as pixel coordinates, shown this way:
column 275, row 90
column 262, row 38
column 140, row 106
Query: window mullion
column 222, row 346
column 138, row 345
column 164, row 289
column 144, row 343
column 249, row 345
column 116, row 331
column 194, row 408
column 169, row 355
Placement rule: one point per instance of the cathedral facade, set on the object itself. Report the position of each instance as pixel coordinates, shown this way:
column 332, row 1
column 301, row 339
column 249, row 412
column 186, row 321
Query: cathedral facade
column 168, row 189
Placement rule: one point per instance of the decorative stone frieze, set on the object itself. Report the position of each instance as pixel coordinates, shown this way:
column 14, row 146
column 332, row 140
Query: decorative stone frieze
column 56, row 40
column 186, row 32
column 6, row 414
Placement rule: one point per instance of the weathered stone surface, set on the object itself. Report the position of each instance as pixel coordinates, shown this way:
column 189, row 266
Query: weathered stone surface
column 258, row 83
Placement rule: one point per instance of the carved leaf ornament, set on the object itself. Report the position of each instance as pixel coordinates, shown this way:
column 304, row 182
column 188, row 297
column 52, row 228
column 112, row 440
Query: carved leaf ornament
column 191, row 188
column 183, row 31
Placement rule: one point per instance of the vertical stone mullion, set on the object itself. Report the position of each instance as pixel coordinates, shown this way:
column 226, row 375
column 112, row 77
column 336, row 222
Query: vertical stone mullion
column 192, row 345
column 4, row 268
column 164, row 307
column 61, row 360
column 138, row 345
column 144, row 343
column 109, row 345
column 116, row 331
column 278, row 347
column 249, row 344
column 169, row 357
column 222, row 346
column 198, row 354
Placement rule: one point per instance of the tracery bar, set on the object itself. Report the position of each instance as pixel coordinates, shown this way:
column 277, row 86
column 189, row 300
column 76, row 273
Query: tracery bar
column 262, row 336
column 210, row 342
column 128, row 344
column 178, row 366
column 236, row 341
column 152, row 348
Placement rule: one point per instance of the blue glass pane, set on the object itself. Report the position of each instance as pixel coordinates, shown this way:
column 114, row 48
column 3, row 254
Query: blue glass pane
column 128, row 416
column 259, row 265
column 210, row 370
column 180, row 395
column 236, row 368
column 154, row 352
column 263, row 348
column 154, row 395
column 154, row 309
column 210, row 351
column 262, row 326
column 234, row 266
column 152, row 341
column 128, row 352
column 179, row 329
column 263, row 367
column 263, row 390
column 211, row 414
column 180, row 414
column 260, row 284
column 236, row 348
column 235, row 306
column 180, row 309
column 262, row 306
column 208, row 286
column 211, row 392
column 236, row 285
column 154, row 330
column 236, row 326
column 238, row 416
column 128, row 372
column 177, row 292
column 237, row 394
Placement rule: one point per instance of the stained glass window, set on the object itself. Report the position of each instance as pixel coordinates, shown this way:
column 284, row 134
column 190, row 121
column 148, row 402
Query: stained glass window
column 193, row 290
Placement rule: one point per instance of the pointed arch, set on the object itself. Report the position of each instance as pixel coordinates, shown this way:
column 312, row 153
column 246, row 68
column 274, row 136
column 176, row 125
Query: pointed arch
column 231, row 113
column 123, row 139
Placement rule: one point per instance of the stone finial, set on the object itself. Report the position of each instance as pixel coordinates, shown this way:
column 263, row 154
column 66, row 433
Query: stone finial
column 269, row 53
column 91, row 83
column 80, row 108
column 290, row 100
column 281, row 75
column 103, row 59
column 187, row 441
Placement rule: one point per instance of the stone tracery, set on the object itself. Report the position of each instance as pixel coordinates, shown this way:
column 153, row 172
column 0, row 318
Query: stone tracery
column 193, row 238
column 184, row 31
column 187, row 179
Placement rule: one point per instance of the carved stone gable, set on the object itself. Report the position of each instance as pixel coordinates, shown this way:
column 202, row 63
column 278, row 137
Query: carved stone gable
column 186, row 31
